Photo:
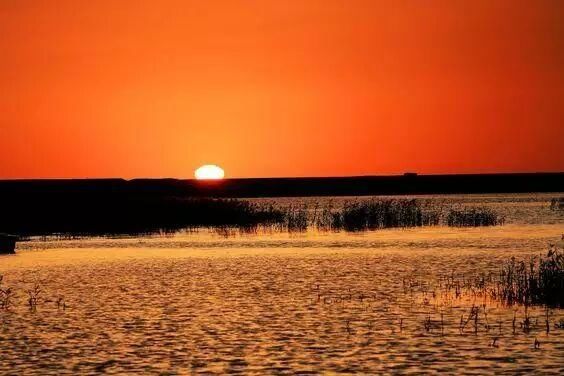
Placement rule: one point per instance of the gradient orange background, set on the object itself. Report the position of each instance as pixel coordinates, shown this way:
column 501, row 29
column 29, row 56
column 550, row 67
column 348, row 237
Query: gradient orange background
column 280, row 88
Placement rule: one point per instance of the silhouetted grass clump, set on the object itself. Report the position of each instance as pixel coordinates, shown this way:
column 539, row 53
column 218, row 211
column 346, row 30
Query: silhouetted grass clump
column 378, row 214
column 326, row 218
column 473, row 217
column 6, row 295
column 431, row 217
column 538, row 282
column 296, row 219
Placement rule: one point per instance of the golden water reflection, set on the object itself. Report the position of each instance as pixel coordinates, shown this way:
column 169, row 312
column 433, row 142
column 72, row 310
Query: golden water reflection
column 271, row 303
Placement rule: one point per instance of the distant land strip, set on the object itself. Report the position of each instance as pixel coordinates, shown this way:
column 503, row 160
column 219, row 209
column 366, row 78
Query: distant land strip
column 407, row 184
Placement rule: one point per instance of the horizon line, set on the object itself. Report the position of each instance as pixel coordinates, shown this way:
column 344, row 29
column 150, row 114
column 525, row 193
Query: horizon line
column 404, row 174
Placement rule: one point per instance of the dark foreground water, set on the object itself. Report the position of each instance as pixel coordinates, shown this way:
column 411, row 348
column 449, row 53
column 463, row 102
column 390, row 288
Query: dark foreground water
column 274, row 302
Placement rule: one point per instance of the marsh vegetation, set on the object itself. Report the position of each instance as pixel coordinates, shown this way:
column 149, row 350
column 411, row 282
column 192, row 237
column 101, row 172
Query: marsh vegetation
column 370, row 286
column 473, row 217
column 540, row 281
column 168, row 215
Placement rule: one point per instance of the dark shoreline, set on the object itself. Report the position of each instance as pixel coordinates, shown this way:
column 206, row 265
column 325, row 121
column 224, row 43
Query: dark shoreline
column 408, row 184
column 116, row 206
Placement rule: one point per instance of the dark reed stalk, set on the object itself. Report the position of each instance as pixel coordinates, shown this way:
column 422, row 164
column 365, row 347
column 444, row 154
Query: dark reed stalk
column 6, row 295
column 33, row 299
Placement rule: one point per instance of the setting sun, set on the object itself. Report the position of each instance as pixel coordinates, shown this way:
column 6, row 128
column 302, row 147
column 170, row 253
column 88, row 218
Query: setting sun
column 209, row 172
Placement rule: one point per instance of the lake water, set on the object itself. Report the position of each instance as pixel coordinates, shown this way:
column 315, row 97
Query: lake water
column 271, row 302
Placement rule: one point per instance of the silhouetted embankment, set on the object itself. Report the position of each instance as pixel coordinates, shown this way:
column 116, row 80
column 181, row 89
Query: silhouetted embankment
column 289, row 187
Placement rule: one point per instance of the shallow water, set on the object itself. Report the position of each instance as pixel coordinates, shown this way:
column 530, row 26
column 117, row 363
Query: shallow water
column 279, row 303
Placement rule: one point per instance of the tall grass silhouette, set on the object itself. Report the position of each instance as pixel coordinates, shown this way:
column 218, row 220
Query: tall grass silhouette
column 473, row 217
column 378, row 214
column 538, row 282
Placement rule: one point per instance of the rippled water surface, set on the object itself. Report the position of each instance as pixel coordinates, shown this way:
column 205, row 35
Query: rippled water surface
column 274, row 302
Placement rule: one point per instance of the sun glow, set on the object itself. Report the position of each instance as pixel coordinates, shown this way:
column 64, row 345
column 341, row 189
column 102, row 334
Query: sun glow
column 209, row 172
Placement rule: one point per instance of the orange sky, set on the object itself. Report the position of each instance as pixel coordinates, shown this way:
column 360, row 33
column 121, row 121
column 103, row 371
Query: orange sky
column 280, row 88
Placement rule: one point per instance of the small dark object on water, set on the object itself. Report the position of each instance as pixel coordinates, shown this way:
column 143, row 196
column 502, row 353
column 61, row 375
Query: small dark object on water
column 7, row 244
column 557, row 203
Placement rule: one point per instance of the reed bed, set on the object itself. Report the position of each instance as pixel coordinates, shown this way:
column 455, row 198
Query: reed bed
column 473, row 217
column 156, row 214
column 136, row 216
column 538, row 282
column 378, row 214
column 296, row 219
